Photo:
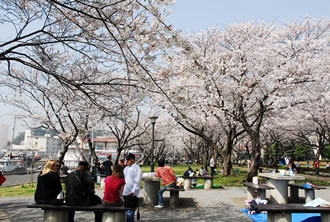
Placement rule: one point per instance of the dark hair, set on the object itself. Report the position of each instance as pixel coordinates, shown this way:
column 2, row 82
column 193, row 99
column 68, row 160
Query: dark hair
column 118, row 171
column 130, row 156
column 109, row 157
column 84, row 164
column 161, row 162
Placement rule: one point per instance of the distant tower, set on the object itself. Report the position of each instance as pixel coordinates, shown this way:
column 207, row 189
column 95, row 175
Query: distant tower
column 4, row 129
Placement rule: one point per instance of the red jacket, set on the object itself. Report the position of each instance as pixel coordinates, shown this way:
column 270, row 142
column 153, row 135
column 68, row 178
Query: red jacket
column 166, row 173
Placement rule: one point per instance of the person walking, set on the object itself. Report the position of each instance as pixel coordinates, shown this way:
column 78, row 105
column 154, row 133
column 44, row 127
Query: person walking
column 212, row 165
column 169, row 180
column 317, row 167
column 80, row 190
column 133, row 176
column 107, row 166
column 64, row 169
column 48, row 184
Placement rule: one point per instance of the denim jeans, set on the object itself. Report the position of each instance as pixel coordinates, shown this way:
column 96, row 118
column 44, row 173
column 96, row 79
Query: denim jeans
column 130, row 215
column 161, row 191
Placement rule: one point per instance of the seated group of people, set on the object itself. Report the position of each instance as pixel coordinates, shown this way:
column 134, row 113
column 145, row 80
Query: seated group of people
column 80, row 186
column 201, row 172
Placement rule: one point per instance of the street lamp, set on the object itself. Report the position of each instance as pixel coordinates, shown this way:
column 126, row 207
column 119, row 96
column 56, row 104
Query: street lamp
column 153, row 121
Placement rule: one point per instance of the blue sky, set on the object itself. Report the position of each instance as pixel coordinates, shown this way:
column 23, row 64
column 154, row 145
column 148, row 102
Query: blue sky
column 195, row 15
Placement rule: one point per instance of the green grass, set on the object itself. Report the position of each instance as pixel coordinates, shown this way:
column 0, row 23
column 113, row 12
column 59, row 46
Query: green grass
column 16, row 191
column 20, row 191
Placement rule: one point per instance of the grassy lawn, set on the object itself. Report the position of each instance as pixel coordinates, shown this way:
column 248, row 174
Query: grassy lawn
column 235, row 180
column 16, row 191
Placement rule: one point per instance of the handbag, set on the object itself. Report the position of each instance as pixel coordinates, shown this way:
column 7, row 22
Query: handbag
column 131, row 201
column 2, row 179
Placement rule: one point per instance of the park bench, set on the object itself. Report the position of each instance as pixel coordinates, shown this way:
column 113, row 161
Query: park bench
column 54, row 213
column 309, row 192
column 208, row 181
column 174, row 196
column 282, row 212
column 260, row 188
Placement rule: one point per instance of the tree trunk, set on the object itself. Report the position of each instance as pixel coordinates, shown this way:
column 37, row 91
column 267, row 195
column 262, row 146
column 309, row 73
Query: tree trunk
column 92, row 151
column 254, row 167
column 227, row 164
column 62, row 154
column 118, row 152
column 255, row 157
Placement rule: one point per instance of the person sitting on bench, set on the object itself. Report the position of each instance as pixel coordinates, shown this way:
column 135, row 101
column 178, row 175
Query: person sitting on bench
column 48, row 184
column 114, row 187
column 80, row 190
column 168, row 177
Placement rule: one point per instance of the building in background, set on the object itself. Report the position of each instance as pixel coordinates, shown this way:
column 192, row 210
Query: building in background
column 46, row 146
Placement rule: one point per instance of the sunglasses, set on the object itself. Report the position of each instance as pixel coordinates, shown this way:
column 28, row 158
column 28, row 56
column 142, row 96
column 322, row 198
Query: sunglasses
column 57, row 165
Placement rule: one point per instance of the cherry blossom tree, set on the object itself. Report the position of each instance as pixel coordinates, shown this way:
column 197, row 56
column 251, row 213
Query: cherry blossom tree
column 78, row 55
column 242, row 73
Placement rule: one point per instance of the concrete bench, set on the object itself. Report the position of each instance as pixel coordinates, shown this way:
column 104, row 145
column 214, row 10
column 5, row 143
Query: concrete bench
column 260, row 188
column 60, row 213
column 309, row 192
column 208, row 181
column 282, row 212
column 174, row 196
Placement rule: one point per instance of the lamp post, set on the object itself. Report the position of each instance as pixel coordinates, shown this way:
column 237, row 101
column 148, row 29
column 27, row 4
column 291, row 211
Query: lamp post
column 153, row 121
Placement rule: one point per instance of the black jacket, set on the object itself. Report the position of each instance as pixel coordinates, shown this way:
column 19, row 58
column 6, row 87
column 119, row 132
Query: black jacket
column 79, row 188
column 48, row 187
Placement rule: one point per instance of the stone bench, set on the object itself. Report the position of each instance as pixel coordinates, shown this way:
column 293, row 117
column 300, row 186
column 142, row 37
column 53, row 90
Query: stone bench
column 208, row 181
column 260, row 188
column 309, row 192
column 174, row 196
column 60, row 213
column 282, row 212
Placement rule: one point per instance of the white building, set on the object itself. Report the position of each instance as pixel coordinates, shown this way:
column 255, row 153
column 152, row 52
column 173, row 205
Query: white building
column 46, row 146
column 3, row 136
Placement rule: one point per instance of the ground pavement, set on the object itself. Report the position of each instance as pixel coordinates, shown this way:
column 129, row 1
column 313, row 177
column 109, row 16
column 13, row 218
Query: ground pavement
column 196, row 205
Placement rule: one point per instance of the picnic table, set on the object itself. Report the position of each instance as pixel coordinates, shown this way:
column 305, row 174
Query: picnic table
column 282, row 212
column 280, row 184
column 150, row 189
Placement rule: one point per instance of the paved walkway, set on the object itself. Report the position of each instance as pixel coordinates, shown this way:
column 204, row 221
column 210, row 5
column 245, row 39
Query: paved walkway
column 196, row 205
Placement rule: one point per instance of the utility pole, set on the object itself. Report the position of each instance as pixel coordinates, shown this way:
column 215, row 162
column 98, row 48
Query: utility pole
column 153, row 122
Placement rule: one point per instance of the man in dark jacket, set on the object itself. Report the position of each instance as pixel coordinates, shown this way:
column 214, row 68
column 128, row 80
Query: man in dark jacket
column 107, row 166
column 80, row 190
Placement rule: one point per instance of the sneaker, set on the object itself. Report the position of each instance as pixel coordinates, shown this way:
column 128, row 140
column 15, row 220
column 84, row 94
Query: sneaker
column 158, row 206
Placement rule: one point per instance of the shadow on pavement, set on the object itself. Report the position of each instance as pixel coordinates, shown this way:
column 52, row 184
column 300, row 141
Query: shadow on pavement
column 17, row 211
column 14, row 209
